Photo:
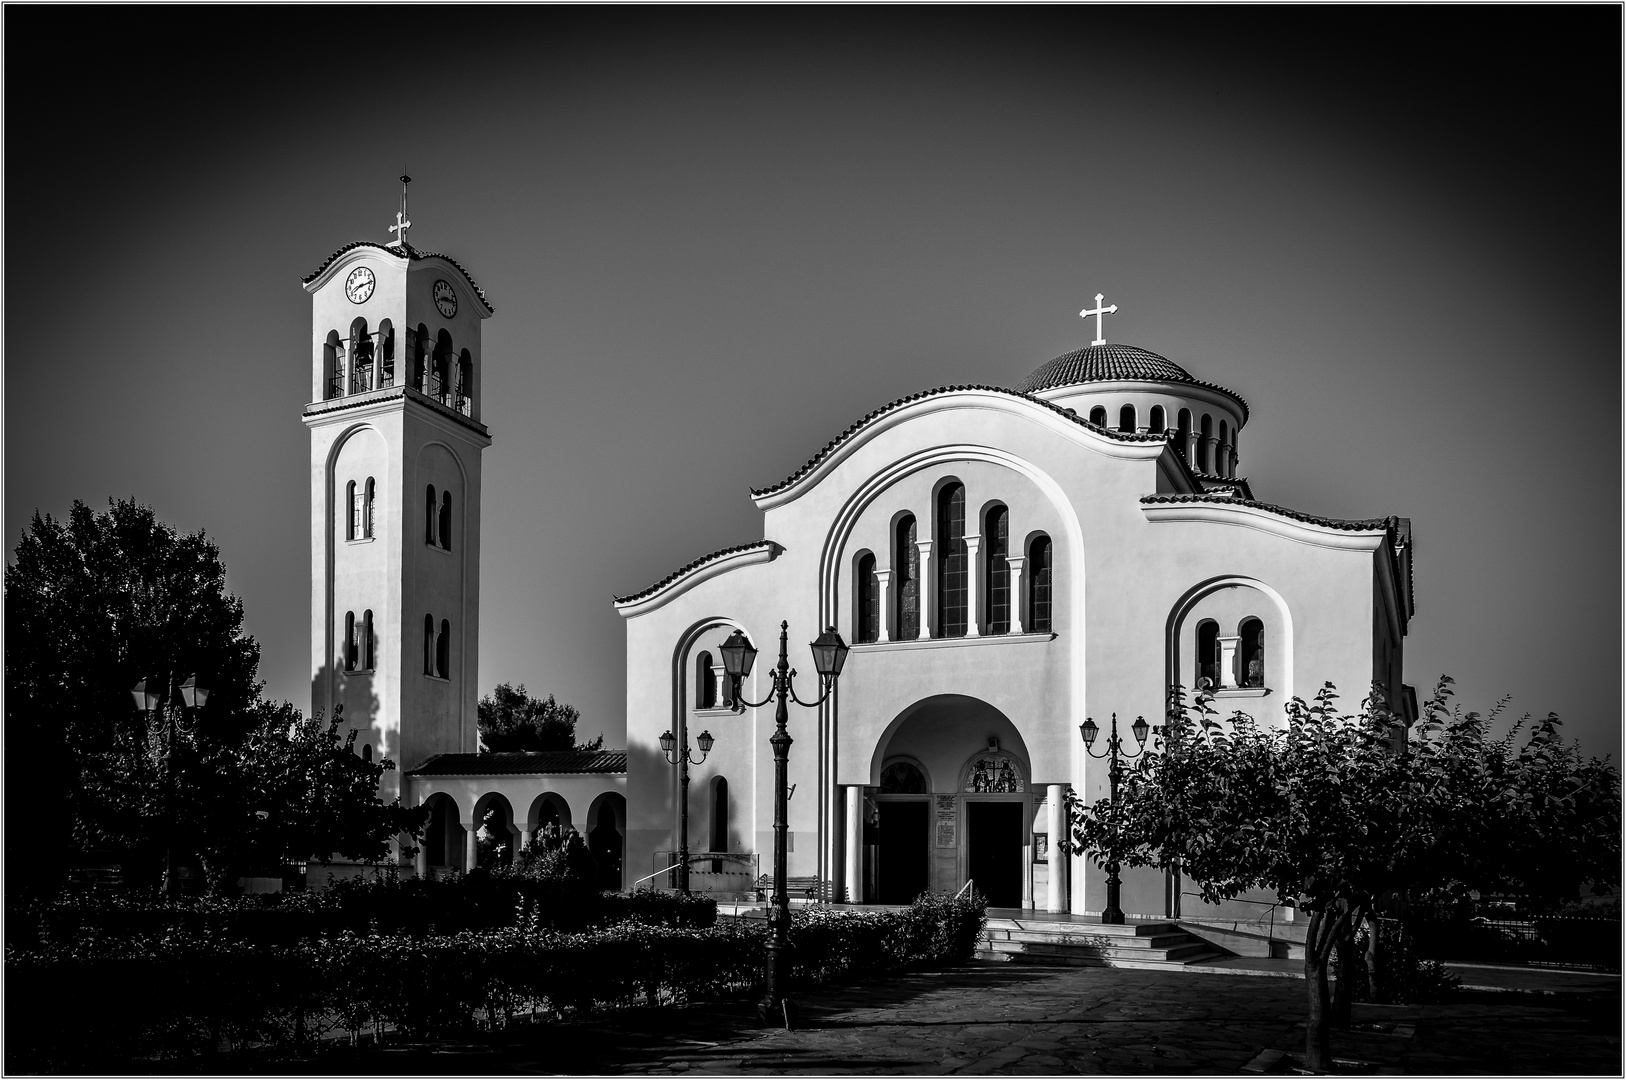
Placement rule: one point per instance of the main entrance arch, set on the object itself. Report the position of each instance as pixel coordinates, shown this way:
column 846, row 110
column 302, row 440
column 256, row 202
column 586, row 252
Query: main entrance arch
column 954, row 805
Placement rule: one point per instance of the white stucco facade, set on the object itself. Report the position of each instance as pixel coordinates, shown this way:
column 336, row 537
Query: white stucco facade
column 954, row 733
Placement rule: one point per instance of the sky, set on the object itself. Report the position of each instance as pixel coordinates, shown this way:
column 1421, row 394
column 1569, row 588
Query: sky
column 715, row 237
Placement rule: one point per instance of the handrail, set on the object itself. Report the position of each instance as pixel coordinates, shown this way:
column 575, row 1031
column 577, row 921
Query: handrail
column 963, row 888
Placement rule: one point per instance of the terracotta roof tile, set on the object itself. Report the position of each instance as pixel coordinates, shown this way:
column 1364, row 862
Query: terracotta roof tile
column 1116, row 363
column 407, row 252
column 527, row 763
column 857, row 425
column 1389, row 524
column 689, row 567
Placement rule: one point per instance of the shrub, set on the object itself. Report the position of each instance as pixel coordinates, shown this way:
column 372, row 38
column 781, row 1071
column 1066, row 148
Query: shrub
column 1403, row 977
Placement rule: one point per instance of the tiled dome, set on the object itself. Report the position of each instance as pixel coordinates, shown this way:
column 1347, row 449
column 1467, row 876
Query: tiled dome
column 1104, row 363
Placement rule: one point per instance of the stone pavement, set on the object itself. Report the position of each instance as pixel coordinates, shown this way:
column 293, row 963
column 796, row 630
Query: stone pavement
column 997, row 1019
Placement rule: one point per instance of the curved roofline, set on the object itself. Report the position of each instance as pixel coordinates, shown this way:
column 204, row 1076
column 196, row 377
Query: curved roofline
column 634, row 600
column 868, row 418
column 409, row 253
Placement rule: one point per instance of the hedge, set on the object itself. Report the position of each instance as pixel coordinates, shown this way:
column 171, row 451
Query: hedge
column 82, row 1004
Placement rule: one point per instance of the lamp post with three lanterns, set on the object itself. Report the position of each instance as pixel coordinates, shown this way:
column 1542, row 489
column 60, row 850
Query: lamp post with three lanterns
column 166, row 712
column 1113, row 914
column 829, row 654
column 682, row 760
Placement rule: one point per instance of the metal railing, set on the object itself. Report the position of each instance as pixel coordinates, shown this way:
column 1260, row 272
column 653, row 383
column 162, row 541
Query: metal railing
column 744, row 865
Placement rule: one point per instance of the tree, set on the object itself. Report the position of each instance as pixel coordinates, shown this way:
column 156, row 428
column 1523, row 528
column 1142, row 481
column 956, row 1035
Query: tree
column 96, row 602
column 1339, row 811
column 510, row 719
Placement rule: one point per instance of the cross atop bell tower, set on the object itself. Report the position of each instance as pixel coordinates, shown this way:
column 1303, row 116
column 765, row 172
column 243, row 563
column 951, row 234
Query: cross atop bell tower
column 401, row 223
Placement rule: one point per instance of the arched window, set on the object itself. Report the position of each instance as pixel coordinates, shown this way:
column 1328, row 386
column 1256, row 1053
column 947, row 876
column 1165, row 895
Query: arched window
column 1252, row 632
column 719, row 814
column 417, row 354
column 1183, row 437
column 869, row 600
column 996, row 542
column 368, row 651
column 1039, row 607
column 705, row 682
column 1126, row 419
column 350, row 644
column 903, row 778
column 352, row 511
column 465, row 382
column 443, row 650
column 428, row 644
column 446, row 520
column 429, row 516
column 1098, row 416
column 1222, row 451
column 333, row 366
column 906, row 577
column 1204, row 435
column 368, row 492
column 1156, row 422
column 367, row 752
column 952, row 572
column 361, row 346
column 440, row 375
column 1207, row 655
column 386, row 350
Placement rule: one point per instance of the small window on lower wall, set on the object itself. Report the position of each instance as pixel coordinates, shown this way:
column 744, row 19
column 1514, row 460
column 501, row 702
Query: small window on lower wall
column 1207, row 674
column 1252, row 661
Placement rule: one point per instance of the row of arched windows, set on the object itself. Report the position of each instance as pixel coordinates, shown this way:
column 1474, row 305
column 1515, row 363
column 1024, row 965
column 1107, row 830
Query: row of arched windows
column 365, row 361
column 1212, row 673
column 952, row 578
column 360, row 646
column 437, row 519
column 1209, row 453
column 437, row 648
column 358, row 500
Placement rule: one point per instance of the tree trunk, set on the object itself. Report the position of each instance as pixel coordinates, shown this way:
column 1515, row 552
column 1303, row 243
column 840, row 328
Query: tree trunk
column 1373, row 959
column 1317, row 1033
column 1344, row 991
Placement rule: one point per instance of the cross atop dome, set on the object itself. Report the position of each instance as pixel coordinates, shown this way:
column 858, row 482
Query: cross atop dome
column 1098, row 310
column 402, row 224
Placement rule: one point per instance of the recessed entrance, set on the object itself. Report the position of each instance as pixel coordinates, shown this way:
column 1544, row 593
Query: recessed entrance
column 994, row 851
column 903, row 870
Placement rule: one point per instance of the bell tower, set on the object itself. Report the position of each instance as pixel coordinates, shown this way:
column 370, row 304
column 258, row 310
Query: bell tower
column 396, row 439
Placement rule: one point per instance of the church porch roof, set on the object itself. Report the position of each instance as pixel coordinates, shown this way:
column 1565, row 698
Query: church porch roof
column 524, row 763
column 690, row 567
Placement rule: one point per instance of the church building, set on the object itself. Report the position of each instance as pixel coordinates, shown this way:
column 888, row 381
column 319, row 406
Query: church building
column 1004, row 563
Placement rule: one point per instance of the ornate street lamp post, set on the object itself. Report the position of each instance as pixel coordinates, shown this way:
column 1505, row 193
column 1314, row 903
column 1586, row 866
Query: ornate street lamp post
column 165, row 711
column 683, row 761
column 1113, row 914
column 829, row 653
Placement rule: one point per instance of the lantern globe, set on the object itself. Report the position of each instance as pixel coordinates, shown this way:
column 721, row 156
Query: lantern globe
column 190, row 692
column 1089, row 729
column 143, row 697
column 667, row 741
column 1140, row 727
column 704, row 741
column 829, row 653
column 738, row 655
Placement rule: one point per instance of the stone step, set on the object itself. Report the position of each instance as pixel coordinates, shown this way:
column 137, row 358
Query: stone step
column 1094, row 929
column 1180, row 951
column 1077, row 959
column 1069, row 937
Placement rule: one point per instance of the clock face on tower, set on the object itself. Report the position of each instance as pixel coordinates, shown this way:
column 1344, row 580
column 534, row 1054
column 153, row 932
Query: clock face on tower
column 359, row 285
column 445, row 298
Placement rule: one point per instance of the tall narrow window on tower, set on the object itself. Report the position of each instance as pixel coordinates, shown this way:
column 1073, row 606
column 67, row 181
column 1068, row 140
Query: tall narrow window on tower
column 368, row 650
column 367, row 508
column 1039, row 571
column 349, row 646
column 443, row 650
column 361, row 347
column 386, row 354
column 419, row 353
column 446, row 520
column 440, row 375
column 997, row 545
column 333, row 365
column 465, row 383
column 869, row 600
column 351, row 506
column 428, row 644
column 430, row 514
column 951, row 560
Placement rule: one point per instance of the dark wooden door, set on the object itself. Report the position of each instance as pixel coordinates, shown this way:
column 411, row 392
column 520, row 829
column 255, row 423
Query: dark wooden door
column 994, row 855
column 904, row 870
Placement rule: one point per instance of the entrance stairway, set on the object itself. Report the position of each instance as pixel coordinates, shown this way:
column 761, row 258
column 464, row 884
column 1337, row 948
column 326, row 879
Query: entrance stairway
column 1061, row 940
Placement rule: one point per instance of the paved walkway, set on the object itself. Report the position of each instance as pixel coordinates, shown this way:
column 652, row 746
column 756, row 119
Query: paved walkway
column 1007, row 1019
